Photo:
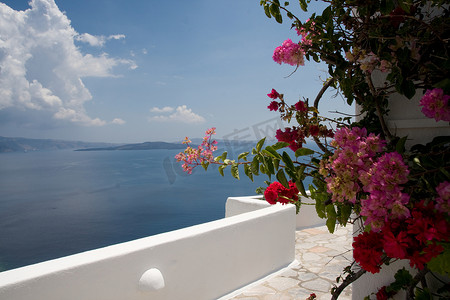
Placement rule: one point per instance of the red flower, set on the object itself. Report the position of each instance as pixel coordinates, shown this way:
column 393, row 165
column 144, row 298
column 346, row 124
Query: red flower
column 314, row 130
column 301, row 106
column 293, row 136
column 276, row 192
column 382, row 294
column 396, row 246
column 420, row 258
column 273, row 106
column 367, row 251
column 273, row 94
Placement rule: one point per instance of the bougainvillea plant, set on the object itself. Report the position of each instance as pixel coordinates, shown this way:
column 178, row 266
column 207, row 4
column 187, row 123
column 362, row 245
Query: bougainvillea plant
column 400, row 195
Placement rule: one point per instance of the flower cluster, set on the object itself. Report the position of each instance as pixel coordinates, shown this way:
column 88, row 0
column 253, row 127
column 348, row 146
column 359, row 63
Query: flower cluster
column 418, row 239
column 443, row 200
column 192, row 157
column 356, row 171
column 296, row 136
column 276, row 192
column 436, row 105
column 289, row 53
column 354, row 155
column 383, row 183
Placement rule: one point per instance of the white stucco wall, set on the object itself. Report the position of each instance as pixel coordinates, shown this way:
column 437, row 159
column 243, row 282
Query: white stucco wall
column 306, row 218
column 206, row 261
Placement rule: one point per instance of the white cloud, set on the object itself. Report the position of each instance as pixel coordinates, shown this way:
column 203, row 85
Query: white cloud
column 41, row 68
column 97, row 40
column 165, row 109
column 116, row 37
column 182, row 114
column 118, row 121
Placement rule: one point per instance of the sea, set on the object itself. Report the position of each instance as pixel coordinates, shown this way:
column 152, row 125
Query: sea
column 62, row 202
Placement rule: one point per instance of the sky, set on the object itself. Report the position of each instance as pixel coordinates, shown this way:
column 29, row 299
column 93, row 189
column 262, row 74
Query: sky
column 130, row 71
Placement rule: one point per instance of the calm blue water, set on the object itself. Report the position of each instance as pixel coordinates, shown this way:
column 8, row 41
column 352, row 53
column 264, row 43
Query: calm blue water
column 58, row 203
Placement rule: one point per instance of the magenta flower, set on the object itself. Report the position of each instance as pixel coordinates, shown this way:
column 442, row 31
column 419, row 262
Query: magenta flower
column 273, row 94
column 289, row 53
column 273, row 106
column 436, row 105
column 301, row 106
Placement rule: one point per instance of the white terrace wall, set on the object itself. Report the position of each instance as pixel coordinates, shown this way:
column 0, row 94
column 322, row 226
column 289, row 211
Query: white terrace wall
column 206, row 261
column 306, row 218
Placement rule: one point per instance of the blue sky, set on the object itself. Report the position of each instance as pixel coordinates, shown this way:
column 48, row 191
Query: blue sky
column 133, row 70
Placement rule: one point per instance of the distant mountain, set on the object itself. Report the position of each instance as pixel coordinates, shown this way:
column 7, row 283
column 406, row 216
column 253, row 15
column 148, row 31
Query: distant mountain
column 18, row 144
column 140, row 146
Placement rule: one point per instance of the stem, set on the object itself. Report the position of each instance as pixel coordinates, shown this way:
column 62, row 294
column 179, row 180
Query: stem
column 347, row 281
column 316, row 105
column 384, row 127
column 418, row 278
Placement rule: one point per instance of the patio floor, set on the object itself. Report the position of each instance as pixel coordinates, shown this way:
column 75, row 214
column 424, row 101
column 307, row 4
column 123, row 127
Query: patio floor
column 321, row 258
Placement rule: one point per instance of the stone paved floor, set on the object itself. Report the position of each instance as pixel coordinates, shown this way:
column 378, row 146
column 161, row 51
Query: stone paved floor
column 321, row 257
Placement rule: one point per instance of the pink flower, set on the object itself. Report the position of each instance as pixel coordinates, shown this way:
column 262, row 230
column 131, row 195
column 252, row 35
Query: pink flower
column 443, row 201
column 289, row 53
column 436, row 105
column 273, row 94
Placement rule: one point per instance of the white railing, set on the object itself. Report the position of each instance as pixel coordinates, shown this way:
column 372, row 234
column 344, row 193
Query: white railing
column 206, row 261
column 306, row 218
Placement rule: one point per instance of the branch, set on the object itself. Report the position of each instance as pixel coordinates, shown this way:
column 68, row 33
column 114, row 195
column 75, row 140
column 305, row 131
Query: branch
column 378, row 107
column 316, row 105
column 419, row 276
column 347, row 281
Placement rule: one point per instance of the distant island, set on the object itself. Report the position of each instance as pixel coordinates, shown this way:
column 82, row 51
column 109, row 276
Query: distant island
column 140, row 146
column 19, row 144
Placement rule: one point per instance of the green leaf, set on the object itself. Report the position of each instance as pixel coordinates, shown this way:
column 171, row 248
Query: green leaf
column 255, row 165
column 224, row 155
column 400, row 146
column 301, row 172
column 441, row 263
column 282, row 178
column 287, row 160
column 260, row 144
column 275, row 12
column 301, row 188
column 303, row 5
column 269, row 165
column 269, row 151
column 331, row 217
column 423, row 294
column 303, row 152
column 276, row 164
column 267, row 11
column 235, row 171
column 205, row 165
column 326, row 14
column 221, row 169
column 344, row 214
column 402, row 280
column 248, row 172
column 280, row 145
column 243, row 156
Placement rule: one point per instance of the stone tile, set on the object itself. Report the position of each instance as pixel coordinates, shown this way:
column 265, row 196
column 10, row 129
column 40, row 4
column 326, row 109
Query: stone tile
column 282, row 283
column 321, row 256
column 259, row 290
column 319, row 249
column 319, row 285
column 314, row 231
